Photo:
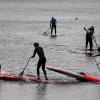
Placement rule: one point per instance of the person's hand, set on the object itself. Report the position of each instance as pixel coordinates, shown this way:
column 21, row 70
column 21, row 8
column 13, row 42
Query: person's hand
column 31, row 57
column 93, row 37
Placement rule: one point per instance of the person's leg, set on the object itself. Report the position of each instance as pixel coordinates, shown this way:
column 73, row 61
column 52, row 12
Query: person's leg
column 38, row 67
column 51, row 30
column 91, row 44
column 55, row 29
column 86, row 42
column 43, row 68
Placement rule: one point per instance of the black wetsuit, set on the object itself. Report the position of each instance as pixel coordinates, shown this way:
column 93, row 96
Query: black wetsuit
column 42, row 60
column 89, row 35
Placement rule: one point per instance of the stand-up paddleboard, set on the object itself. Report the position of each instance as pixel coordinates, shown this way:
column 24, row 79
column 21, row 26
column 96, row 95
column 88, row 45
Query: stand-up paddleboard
column 88, row 53
column 8, row 77
column 67, row 72
column 79, row 76
column 94, row 49
column 53, row 36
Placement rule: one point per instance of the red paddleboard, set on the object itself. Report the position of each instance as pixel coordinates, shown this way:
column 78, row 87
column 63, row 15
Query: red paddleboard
column 90, row 78
column 78, row 76
column 6, row 76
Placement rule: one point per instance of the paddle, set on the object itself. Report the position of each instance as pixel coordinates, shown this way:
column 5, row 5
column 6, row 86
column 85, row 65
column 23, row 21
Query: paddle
column 21, row 74
column 46, row 31
column 96, row 44
column 96, row 63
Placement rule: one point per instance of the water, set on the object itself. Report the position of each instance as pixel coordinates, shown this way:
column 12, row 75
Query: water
column 22, row 23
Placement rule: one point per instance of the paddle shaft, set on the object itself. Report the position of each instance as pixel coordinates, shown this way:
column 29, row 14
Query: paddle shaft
column 47, row 30
column 96, row 63
column 21, row 74
column 27, row 64
column 96, row 42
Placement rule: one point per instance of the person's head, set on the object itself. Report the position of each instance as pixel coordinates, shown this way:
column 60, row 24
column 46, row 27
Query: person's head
column 52, row 17
column 91, row 28
column 36, row 44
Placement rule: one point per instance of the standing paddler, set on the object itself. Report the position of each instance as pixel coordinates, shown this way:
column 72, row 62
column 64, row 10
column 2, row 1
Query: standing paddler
column 89, row 37
column 42, row 59
column 53, row 23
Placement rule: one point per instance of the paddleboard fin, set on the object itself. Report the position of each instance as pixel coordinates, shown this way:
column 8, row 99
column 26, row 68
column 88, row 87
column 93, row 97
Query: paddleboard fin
column 80, row 79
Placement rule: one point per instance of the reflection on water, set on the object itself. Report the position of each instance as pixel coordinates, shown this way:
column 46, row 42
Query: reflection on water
column 41, row 91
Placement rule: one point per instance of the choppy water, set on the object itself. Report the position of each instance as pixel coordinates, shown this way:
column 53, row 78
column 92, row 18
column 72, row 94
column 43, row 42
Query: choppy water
column 22, row 23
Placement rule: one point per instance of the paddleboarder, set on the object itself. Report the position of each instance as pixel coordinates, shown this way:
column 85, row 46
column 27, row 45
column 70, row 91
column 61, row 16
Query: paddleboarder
column 42, row 59
column 89, row 37
column 53, row 23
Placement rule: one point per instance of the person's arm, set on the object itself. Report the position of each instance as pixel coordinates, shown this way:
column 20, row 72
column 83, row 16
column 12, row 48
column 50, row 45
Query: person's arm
column 89, row 32
column 56, row 21
column 93, row 36
column 85, row 29
column 34, row 54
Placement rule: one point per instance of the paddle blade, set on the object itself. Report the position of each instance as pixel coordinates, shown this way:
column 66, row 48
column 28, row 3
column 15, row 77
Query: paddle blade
column 44, row 32
column 21, row 74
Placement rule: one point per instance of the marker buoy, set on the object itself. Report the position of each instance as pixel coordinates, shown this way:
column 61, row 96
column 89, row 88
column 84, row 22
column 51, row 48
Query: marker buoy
column 76, row 18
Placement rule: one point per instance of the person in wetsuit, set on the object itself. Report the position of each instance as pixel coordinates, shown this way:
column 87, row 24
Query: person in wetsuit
column 42, row 59
column 53, row 23
column 89, row 37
